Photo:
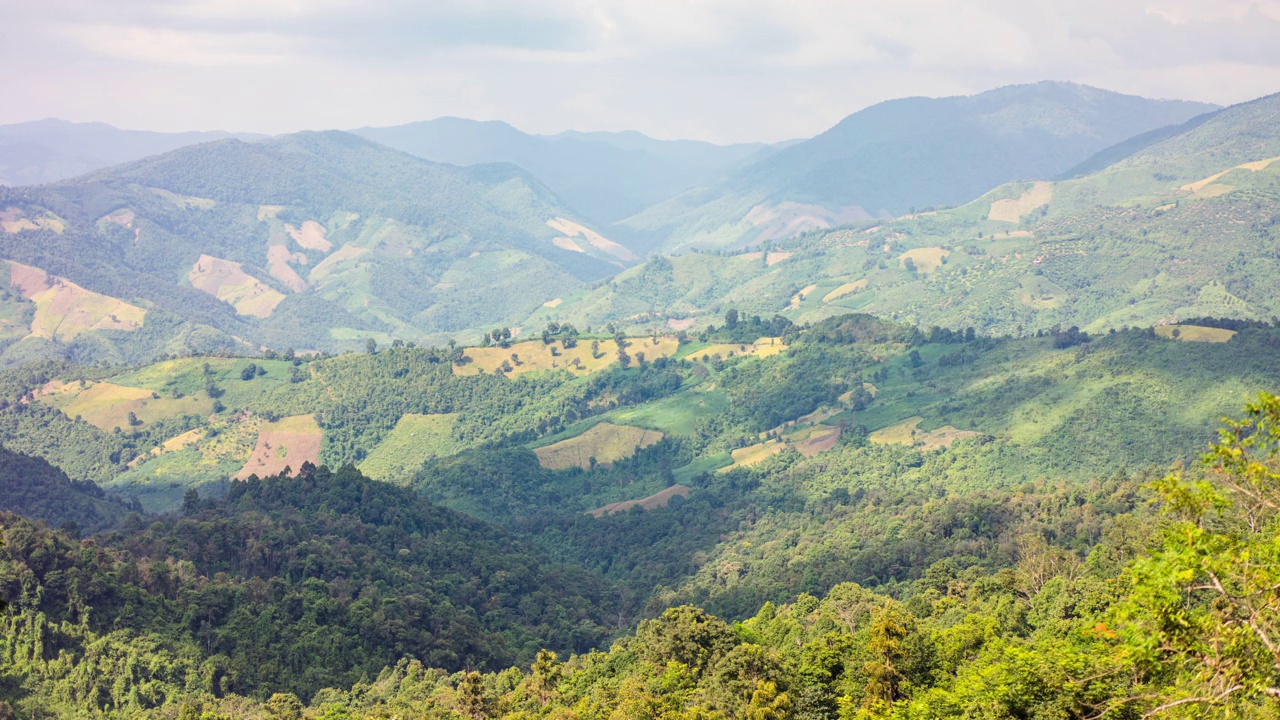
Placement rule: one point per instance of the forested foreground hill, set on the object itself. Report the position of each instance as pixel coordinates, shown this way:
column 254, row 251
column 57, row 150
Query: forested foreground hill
column 1164, row 612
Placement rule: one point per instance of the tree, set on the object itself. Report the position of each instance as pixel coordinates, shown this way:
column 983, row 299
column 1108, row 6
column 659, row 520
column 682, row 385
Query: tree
column 909, row 265
column 371, row 346
column 133, row 419
column 1203, row 620
column 470, row 696
column 285, row 706
column 249, row 372
column 731, row 319
column 544, row 676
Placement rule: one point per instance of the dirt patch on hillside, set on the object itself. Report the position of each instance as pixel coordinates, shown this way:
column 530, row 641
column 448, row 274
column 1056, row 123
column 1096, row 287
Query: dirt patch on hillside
column 1012, row 210
column 656, row 500
column 817, row 439
column 13, row 220
column 228, row 282
column 278, row 259
column 792, row 218
column 535, row 355
column 565, row 243
column 287, row 443
column 598, row 241
column 310, row 236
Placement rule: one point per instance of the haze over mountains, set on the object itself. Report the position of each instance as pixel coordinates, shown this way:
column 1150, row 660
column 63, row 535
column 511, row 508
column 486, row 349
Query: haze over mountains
column 322, row 240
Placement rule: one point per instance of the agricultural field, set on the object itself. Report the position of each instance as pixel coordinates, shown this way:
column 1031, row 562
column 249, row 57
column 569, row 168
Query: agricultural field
column 284, row 444
column 416, row 439
column 64, row 310
column 1194, row 333
column 657, row 500
column 603, row 443
column 752, row 454
column 108, row 406
column 228, row 282
column 535, row 355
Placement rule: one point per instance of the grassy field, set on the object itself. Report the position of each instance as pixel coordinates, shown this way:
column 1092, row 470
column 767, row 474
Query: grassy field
column 603, row 442
column 535, row 355
column 675, row 415
column 1194, row 333
column 107, row 405
column 752, row 454
column 415, row 440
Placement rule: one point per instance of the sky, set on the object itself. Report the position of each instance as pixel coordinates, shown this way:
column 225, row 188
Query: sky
column 718, row 70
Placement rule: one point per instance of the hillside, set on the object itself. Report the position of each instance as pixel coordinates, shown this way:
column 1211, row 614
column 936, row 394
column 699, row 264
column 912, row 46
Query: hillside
column 603, row 176
column 987, row 495
column 316, row 240
column 31, row 487
column 1182, row 226
column 46, row 151
column 892, row 158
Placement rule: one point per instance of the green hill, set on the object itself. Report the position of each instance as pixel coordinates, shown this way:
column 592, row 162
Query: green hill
column 316, row 240
column 1182, row 228
column 904, row 154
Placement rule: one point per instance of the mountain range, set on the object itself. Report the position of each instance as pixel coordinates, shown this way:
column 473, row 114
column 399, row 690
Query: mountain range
column 326, row 240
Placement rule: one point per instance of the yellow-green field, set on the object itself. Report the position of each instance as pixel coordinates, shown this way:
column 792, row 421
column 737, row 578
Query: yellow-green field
column 228, row 282
column 1194, row 333
column 286, row 443
column 107, row 405
column 64, row 309
column 926, row 260
column 815, row 439
column 908, row 432
column 845, row 289
column 752, row 454
column 903, row 433
column 656, row 500
column 533, row 355
column 605, row 442
column 415, row 440
column 1012, row 210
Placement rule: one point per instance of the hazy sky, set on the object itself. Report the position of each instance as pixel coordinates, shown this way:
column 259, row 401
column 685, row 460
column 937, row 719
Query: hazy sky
column 723, row 70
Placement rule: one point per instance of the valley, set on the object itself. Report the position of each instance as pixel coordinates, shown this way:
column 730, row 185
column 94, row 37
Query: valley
column 961, row 408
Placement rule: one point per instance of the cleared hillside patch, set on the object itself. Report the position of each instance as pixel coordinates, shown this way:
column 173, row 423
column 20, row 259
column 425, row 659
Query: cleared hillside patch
column 278, row 259
column 310, row 236
column 925, row 260
column 1012, row 210
column 228, row 282
column 605, row 442
column 414, row 440
column 286, row 443
column 598, row 241
column 656, row 500
column 1194, row 333
column 64, row 309
column 752, row 454
column 535, row 355
column 107, row 405
column 845, row 289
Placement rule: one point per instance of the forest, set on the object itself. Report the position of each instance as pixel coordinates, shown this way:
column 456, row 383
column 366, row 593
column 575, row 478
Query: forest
column 1163, row 604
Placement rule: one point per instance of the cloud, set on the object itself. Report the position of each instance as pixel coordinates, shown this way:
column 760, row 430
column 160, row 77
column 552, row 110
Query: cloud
column 716, row 69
